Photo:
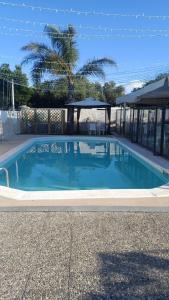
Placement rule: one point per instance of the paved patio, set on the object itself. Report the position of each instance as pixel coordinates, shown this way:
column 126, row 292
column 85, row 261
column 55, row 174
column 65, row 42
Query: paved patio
column 87, row 256
column 8, row 144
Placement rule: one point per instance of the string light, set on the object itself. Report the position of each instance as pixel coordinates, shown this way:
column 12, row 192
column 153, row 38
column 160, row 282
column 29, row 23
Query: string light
column 83, row 13
column 87, row 27
column 31, row 33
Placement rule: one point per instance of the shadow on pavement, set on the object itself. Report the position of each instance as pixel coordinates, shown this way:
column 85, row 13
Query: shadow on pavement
column 132, row 275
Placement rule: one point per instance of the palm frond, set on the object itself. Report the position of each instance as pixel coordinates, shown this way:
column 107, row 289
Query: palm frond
column 91, row 70
column 55, row 35
column 48, row 65
column 31, row 58
column 37, row 72
column 36, row 48
column 71, row 30
column 63, row 42
column 37, row 52
column 44, row 58
column 70, row 52
column 95, row 67
column 105, row 61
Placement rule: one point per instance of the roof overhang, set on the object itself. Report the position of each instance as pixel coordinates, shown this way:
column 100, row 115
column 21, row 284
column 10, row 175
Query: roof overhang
column 156, row 93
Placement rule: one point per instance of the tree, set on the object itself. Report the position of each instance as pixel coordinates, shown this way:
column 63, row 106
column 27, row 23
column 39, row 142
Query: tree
column 54, row 93
column 22, row 90
column 5, row 72
column 111, row 92
column 5, row 76
column 61, row 57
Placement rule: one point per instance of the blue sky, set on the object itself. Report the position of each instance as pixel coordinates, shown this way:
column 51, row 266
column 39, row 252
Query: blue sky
column 137, row 58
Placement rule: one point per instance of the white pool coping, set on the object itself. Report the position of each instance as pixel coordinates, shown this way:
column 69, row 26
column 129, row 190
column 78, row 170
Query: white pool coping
column 19, row 195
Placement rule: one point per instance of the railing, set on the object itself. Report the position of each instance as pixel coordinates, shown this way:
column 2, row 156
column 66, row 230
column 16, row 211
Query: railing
column 7, row 175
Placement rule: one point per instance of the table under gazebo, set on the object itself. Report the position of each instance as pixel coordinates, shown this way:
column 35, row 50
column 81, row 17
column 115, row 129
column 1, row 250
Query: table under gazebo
column 88, row 103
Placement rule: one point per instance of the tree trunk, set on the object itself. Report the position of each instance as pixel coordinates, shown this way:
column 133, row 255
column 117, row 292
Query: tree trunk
column 71, row 90
column 70, row 116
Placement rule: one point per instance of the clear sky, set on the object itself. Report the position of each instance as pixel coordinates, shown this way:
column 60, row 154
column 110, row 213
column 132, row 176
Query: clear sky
column 137, row 58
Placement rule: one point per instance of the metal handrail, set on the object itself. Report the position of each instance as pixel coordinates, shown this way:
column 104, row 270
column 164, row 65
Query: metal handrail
column 7, row 175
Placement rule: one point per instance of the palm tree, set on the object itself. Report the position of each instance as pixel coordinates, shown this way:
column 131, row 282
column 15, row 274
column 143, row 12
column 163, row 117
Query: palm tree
column 61, row 57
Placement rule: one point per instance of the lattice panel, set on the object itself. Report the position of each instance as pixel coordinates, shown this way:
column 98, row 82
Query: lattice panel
column 56, row 121
column 28, row 117
column 43, row 121
column 42, row 115
column 55, row 116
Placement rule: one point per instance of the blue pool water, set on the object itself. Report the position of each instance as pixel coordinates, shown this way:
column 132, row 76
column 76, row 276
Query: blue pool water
column 79, row 165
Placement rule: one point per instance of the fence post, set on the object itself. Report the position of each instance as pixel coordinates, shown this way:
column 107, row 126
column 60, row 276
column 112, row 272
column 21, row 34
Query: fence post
column 162, row 131
column 63, row 121
column 155, row 132
column 35, row 120
column 49, row 131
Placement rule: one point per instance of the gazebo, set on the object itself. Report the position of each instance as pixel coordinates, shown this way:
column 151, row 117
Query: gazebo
column 88, row 103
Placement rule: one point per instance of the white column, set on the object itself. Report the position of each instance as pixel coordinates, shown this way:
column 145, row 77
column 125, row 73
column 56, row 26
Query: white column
column 13, row 96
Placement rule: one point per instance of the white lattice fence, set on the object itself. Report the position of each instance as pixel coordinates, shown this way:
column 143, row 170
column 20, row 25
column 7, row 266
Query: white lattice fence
column 43, row 121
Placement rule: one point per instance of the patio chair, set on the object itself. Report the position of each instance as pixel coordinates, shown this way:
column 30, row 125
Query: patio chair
column 92, row 128
column 101, row 128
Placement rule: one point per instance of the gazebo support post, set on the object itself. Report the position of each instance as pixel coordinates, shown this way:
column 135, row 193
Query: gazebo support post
column 78, row 118
column 109, row 118
column 70, row 121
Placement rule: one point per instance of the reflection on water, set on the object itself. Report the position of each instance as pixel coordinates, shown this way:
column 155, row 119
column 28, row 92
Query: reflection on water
column 79, row 165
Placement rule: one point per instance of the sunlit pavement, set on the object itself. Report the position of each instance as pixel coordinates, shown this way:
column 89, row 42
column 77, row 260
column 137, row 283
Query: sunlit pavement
column 59, row 255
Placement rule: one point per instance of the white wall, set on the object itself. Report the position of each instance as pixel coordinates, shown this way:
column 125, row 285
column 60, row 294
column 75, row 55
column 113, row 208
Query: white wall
column 9, row 124
column 96, row 115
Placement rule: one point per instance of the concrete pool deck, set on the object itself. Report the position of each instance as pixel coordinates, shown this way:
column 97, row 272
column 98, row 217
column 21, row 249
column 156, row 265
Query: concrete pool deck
column 73, row 256
column 143, row 200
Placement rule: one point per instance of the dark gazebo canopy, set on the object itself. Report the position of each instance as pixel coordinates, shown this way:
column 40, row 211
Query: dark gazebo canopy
column 89, row 103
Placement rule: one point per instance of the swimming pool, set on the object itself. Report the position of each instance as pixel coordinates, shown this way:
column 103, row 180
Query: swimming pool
column 66, row 164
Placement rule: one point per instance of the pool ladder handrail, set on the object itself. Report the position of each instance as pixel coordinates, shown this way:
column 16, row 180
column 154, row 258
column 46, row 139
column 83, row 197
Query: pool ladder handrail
column 7, row 175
